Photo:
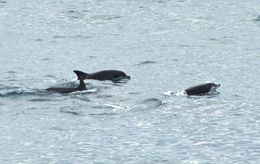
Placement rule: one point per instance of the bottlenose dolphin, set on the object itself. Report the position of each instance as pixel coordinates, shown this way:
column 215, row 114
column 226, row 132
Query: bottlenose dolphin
column 81, row 86
column 113, row 75
column 202, row 89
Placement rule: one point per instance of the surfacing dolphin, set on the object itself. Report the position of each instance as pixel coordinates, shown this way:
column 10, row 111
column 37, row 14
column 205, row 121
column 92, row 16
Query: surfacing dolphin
column 81, row 86
column 113, row 75
column 202, row 89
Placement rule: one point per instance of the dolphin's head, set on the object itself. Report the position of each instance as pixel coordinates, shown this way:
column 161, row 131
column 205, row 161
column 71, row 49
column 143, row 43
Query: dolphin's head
column 128, row 77
column 213, row 86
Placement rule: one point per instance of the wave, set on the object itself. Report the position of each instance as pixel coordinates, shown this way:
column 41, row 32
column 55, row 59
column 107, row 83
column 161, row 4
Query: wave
column 16, row 91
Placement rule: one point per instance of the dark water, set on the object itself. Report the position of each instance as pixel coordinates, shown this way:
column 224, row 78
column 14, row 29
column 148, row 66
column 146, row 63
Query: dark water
column 164, row 46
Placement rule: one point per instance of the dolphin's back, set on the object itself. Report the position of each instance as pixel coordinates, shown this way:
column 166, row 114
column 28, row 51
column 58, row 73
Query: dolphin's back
column 198, row 89
column 61, row 90
column 105, row 75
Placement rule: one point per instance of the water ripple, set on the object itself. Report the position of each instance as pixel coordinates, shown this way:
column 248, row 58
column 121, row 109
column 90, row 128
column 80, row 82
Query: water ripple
column 16, row 91
column 103, row 114
column 73, row 110
column 71, row 37
column 149, row 103
column 105, row 17
column 146, row 62
column 1, row 1
column 257, row 18
column 42, row 99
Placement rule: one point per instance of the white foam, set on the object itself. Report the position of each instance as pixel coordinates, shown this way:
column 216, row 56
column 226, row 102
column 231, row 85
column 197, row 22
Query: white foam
column 175, row 93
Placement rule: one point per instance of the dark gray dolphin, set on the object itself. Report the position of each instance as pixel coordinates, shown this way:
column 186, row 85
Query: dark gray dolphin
column 202, row 89
column 113, row 75
column 81, row 86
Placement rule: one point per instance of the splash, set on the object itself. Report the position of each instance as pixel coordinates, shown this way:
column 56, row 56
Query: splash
column 175, row 93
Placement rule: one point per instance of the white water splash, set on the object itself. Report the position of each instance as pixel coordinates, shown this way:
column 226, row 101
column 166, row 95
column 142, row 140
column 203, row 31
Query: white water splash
column 175, row 93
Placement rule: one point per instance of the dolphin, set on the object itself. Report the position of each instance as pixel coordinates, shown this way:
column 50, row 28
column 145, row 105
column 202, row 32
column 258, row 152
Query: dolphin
column 202, row 89
column 81, row 86
column 113, row 75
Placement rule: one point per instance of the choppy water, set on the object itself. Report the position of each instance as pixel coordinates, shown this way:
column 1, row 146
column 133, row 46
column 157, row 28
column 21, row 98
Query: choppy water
column 164, row 46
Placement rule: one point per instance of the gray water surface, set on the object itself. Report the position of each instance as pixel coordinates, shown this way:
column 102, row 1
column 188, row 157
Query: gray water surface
column 164, row 46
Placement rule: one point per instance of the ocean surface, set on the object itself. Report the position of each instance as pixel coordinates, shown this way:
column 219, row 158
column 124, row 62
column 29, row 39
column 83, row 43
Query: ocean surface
column 165, row 46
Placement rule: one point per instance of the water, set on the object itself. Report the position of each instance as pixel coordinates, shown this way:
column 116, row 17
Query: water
column 164, row 46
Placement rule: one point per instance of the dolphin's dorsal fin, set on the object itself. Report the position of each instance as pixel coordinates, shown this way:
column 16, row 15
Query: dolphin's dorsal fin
column 82, row 85
column 80, row 75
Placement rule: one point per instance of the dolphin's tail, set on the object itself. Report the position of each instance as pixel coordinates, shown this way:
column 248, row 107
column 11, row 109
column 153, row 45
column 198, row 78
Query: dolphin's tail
column 81, row 75
column 81, row 78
